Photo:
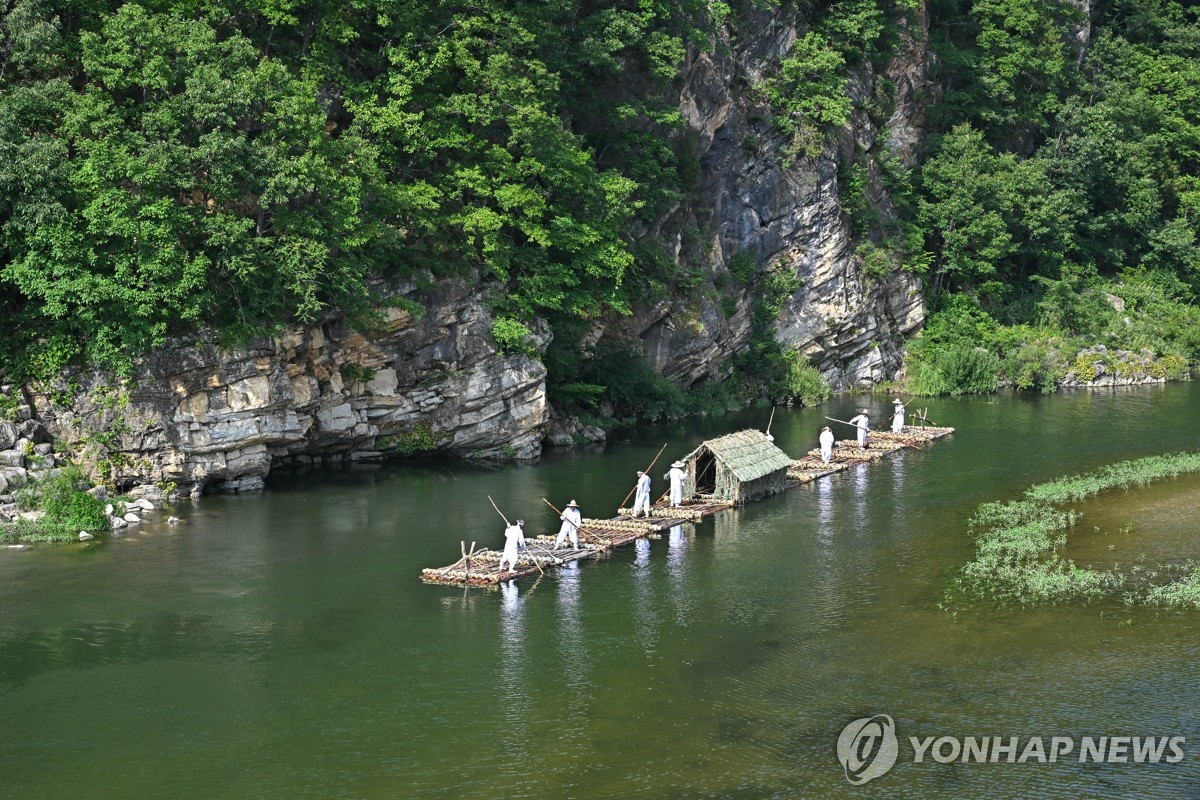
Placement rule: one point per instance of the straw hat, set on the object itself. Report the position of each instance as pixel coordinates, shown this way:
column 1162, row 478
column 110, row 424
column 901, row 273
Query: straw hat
column 863, row 411
column 898, row 402
column 678, row 465
column 572, row 504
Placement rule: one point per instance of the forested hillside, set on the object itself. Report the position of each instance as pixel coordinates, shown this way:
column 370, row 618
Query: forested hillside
column 171, row 165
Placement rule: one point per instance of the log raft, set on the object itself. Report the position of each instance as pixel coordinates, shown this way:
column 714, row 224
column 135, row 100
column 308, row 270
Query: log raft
column 481, row 567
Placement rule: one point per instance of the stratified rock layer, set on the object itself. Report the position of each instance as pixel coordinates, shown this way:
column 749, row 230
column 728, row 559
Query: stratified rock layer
column 202, row 415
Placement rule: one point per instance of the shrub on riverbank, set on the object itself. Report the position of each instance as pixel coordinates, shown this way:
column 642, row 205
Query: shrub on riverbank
column 66, row 509
column 1134, row 327
column 1018, row 546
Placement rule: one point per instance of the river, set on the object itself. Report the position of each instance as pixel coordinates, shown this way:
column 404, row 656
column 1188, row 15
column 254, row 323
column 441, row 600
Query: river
column 281, row 646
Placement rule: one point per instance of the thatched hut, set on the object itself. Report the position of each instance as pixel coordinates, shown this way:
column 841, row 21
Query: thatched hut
column 738, row 467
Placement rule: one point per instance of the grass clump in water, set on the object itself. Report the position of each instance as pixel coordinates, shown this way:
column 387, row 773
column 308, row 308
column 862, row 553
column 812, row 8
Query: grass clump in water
column 1181, row 593
column 1115, row 476
column 1018, row 553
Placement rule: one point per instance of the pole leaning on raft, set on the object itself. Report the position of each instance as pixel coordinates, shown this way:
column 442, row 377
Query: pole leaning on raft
column 647, row 471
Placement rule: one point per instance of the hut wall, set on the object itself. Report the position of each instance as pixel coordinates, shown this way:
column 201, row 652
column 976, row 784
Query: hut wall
column 728, row 487
column 766, row 485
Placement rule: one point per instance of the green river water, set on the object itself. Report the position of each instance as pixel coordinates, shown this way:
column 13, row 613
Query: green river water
column 281, row 646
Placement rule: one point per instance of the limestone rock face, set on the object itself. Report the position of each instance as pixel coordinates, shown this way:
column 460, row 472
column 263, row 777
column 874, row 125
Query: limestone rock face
column 201, row 415
column 785, row 212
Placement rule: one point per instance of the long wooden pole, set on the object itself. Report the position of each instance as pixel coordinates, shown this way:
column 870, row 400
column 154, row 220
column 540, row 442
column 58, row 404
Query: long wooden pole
column 579, row 528
column 498, row 511
column 647, row 471
column 769, row 421
column 506, row 522
column 883, row 434
column 893, row 416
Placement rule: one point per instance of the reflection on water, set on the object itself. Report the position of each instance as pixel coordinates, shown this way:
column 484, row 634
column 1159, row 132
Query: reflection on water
column 280, row 645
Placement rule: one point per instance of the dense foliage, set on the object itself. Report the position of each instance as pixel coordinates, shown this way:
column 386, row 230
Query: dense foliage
column 169, row 164
column 1060, row 200
column 242, row 165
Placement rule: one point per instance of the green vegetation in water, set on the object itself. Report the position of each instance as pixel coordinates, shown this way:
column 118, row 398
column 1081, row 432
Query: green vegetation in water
column 1018, row 545
column 68, row 509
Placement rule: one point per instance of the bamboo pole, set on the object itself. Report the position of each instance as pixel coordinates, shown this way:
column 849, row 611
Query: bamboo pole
column 647, row 471
column 579, row 528
column 769, row 421
column 506, row 522
column 498, row 511
column 904, row 404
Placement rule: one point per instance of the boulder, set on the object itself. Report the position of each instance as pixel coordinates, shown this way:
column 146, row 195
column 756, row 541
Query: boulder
column 16, row 476
column 108, row 510
column 132, row 519
column 12, row 458
column 43, row 449
column 84, row 536
column 8, row 435
column 148, row 492
column 99, row 492
column 34, row 431
column 173, row 520
column 117, row 523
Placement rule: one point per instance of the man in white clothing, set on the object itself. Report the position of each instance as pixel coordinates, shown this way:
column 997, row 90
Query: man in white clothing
column 898, row 417
column 675, row 476
column 863, row 424
column 641, row 499
column 514, row 540
column 826, row 444
column 571, row 519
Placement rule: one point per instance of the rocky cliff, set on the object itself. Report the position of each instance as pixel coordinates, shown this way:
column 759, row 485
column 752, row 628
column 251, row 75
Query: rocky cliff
column 199, row 415
column 753, row 199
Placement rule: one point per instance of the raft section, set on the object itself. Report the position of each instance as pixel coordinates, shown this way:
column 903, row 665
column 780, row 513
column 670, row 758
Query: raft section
column 598, row 536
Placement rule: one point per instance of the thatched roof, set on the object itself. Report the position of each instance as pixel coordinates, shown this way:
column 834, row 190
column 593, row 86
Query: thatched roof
column 748, row 454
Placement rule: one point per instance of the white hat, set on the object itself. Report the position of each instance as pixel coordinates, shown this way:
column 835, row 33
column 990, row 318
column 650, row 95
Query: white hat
column 520, row 522
column 640, row 472
column 863, row 411
column 572, row 504
column 897, row 402
column 678, row 464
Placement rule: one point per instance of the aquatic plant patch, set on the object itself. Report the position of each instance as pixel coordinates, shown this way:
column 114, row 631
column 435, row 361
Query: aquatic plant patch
column 1018, row 548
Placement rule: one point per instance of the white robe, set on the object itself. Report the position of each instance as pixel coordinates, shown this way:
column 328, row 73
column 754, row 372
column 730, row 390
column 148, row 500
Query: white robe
column 863, row 426
column 826, row 446
column 514, row 539
column 570, row 528
column 675, row 476
column 642, row 499
column 898, row 420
